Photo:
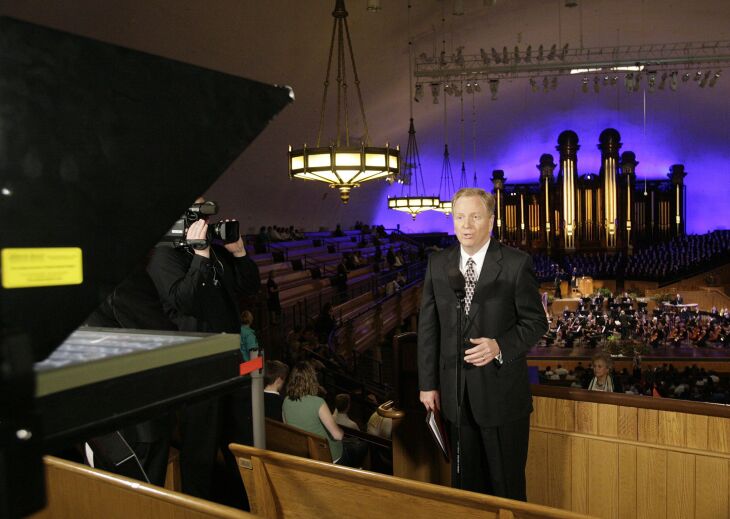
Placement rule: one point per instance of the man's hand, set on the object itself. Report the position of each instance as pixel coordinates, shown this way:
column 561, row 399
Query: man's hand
column 431, row 400
column 483, row 352
column 236, row 248
column 199, row 231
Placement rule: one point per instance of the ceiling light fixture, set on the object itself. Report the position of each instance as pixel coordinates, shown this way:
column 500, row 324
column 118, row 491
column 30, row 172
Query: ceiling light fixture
column 343, row 165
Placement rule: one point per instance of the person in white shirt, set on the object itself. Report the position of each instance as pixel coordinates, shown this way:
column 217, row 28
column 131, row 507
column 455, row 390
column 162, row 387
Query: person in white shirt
column 342, row 406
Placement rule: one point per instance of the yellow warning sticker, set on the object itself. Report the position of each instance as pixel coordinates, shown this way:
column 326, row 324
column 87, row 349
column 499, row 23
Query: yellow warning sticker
column 41, row 267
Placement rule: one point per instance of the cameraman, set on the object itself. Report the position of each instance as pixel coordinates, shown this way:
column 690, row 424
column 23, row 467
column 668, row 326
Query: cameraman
column 199, row 289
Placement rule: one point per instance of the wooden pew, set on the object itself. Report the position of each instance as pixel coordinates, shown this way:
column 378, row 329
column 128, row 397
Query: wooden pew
column 77, row 492
column 279, row 485
column 281, row 437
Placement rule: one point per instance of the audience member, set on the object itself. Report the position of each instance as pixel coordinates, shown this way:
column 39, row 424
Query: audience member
column 275, row 374
column 342, row 406
column 302, row 408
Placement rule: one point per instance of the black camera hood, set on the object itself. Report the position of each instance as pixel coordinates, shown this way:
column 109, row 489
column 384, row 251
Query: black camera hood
column 101, row 149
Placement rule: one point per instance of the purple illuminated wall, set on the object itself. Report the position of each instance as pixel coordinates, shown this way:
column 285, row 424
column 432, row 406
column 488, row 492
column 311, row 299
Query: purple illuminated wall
column 674, row 133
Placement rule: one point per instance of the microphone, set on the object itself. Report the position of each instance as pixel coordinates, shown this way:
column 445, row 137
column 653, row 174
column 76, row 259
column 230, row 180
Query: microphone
column 457, row 282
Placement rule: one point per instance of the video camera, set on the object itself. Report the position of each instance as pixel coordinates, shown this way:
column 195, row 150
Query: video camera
column 223, row 231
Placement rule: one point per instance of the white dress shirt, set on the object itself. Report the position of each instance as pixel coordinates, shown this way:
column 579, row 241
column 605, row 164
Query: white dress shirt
column 478, row 258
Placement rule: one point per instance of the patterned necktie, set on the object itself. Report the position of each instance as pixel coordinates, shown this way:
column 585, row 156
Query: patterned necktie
column 471, row 280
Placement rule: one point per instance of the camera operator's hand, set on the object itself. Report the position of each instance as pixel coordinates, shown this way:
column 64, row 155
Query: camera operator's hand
column 236, row 248
column 199, row 231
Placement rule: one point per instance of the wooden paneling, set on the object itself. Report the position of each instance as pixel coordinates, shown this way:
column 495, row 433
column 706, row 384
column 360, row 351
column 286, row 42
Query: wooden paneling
column 586, row 417
column 627, row 482
column 621, row 461
column 564, row 415
column 537, row 467
column 697, row 431
column 628, row 423
column 559, row 463
column 648, row 425
column 651, row 483
column 579, row 476
column 680, row 485
column 718, row 435
column 607, row 420
column 603, row 479
column 672, row 429
column 712, row 488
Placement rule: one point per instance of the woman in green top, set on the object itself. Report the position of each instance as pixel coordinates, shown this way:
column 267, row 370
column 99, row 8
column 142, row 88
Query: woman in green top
column 304, row 409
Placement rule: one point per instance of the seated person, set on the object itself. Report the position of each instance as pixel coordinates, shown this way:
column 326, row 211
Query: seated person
column 602, row 379
column 342, row 406
column 304, row 409
column 275, row 373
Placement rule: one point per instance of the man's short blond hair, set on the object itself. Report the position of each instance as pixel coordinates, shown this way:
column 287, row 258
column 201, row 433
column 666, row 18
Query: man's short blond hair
column 487, row 198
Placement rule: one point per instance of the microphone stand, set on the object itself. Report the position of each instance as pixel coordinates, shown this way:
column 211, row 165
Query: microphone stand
column 459, row 363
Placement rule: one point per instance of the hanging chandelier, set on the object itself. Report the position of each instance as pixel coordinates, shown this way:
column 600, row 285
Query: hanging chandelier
column 446, row 187
column 343, row 165
column 412, row 174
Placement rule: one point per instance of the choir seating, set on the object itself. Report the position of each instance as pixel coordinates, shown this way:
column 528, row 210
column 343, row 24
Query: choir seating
column 79, row 492
column 280, row 485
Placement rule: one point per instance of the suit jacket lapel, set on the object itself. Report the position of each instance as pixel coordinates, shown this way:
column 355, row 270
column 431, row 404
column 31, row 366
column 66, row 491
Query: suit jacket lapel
column 452, row 261
column 490, row 270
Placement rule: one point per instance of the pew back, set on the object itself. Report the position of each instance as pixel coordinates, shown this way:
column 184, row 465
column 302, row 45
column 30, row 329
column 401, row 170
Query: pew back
column 281, row 437
column 279, row 485
column 77, row 492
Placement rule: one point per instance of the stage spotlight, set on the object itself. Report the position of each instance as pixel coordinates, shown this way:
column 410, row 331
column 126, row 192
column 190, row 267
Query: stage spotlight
column 605, row 80
column 685, row 77
column 477, row 88
column 435, row 92
column 651, row 78
column 517, row 54
column 698, row 76
column 540, row 53
column 553, row 51
column 545, row 84
column 596, row 84
column 637, row 81
column 485, row 56
column 533, row 84
column 663, row 81
column 553, row 82
column 493, row 88
column 614, row 79
column 629, row 81
column 495, row 55
column 714, row 78
column 528, row 54
column 448, row 89
column 673, row 81
column 459, row 59
column 442, row 58
column 584, row 86
column 505, row 55
column 564, row 52
column 469, row 88
column 419, row 93
column 705, row 79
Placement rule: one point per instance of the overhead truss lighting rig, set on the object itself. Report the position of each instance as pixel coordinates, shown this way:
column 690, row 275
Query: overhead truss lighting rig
column 655, row 63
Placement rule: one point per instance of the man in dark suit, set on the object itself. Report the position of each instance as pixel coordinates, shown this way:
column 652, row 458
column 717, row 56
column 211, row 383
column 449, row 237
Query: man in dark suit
column 504, row 319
